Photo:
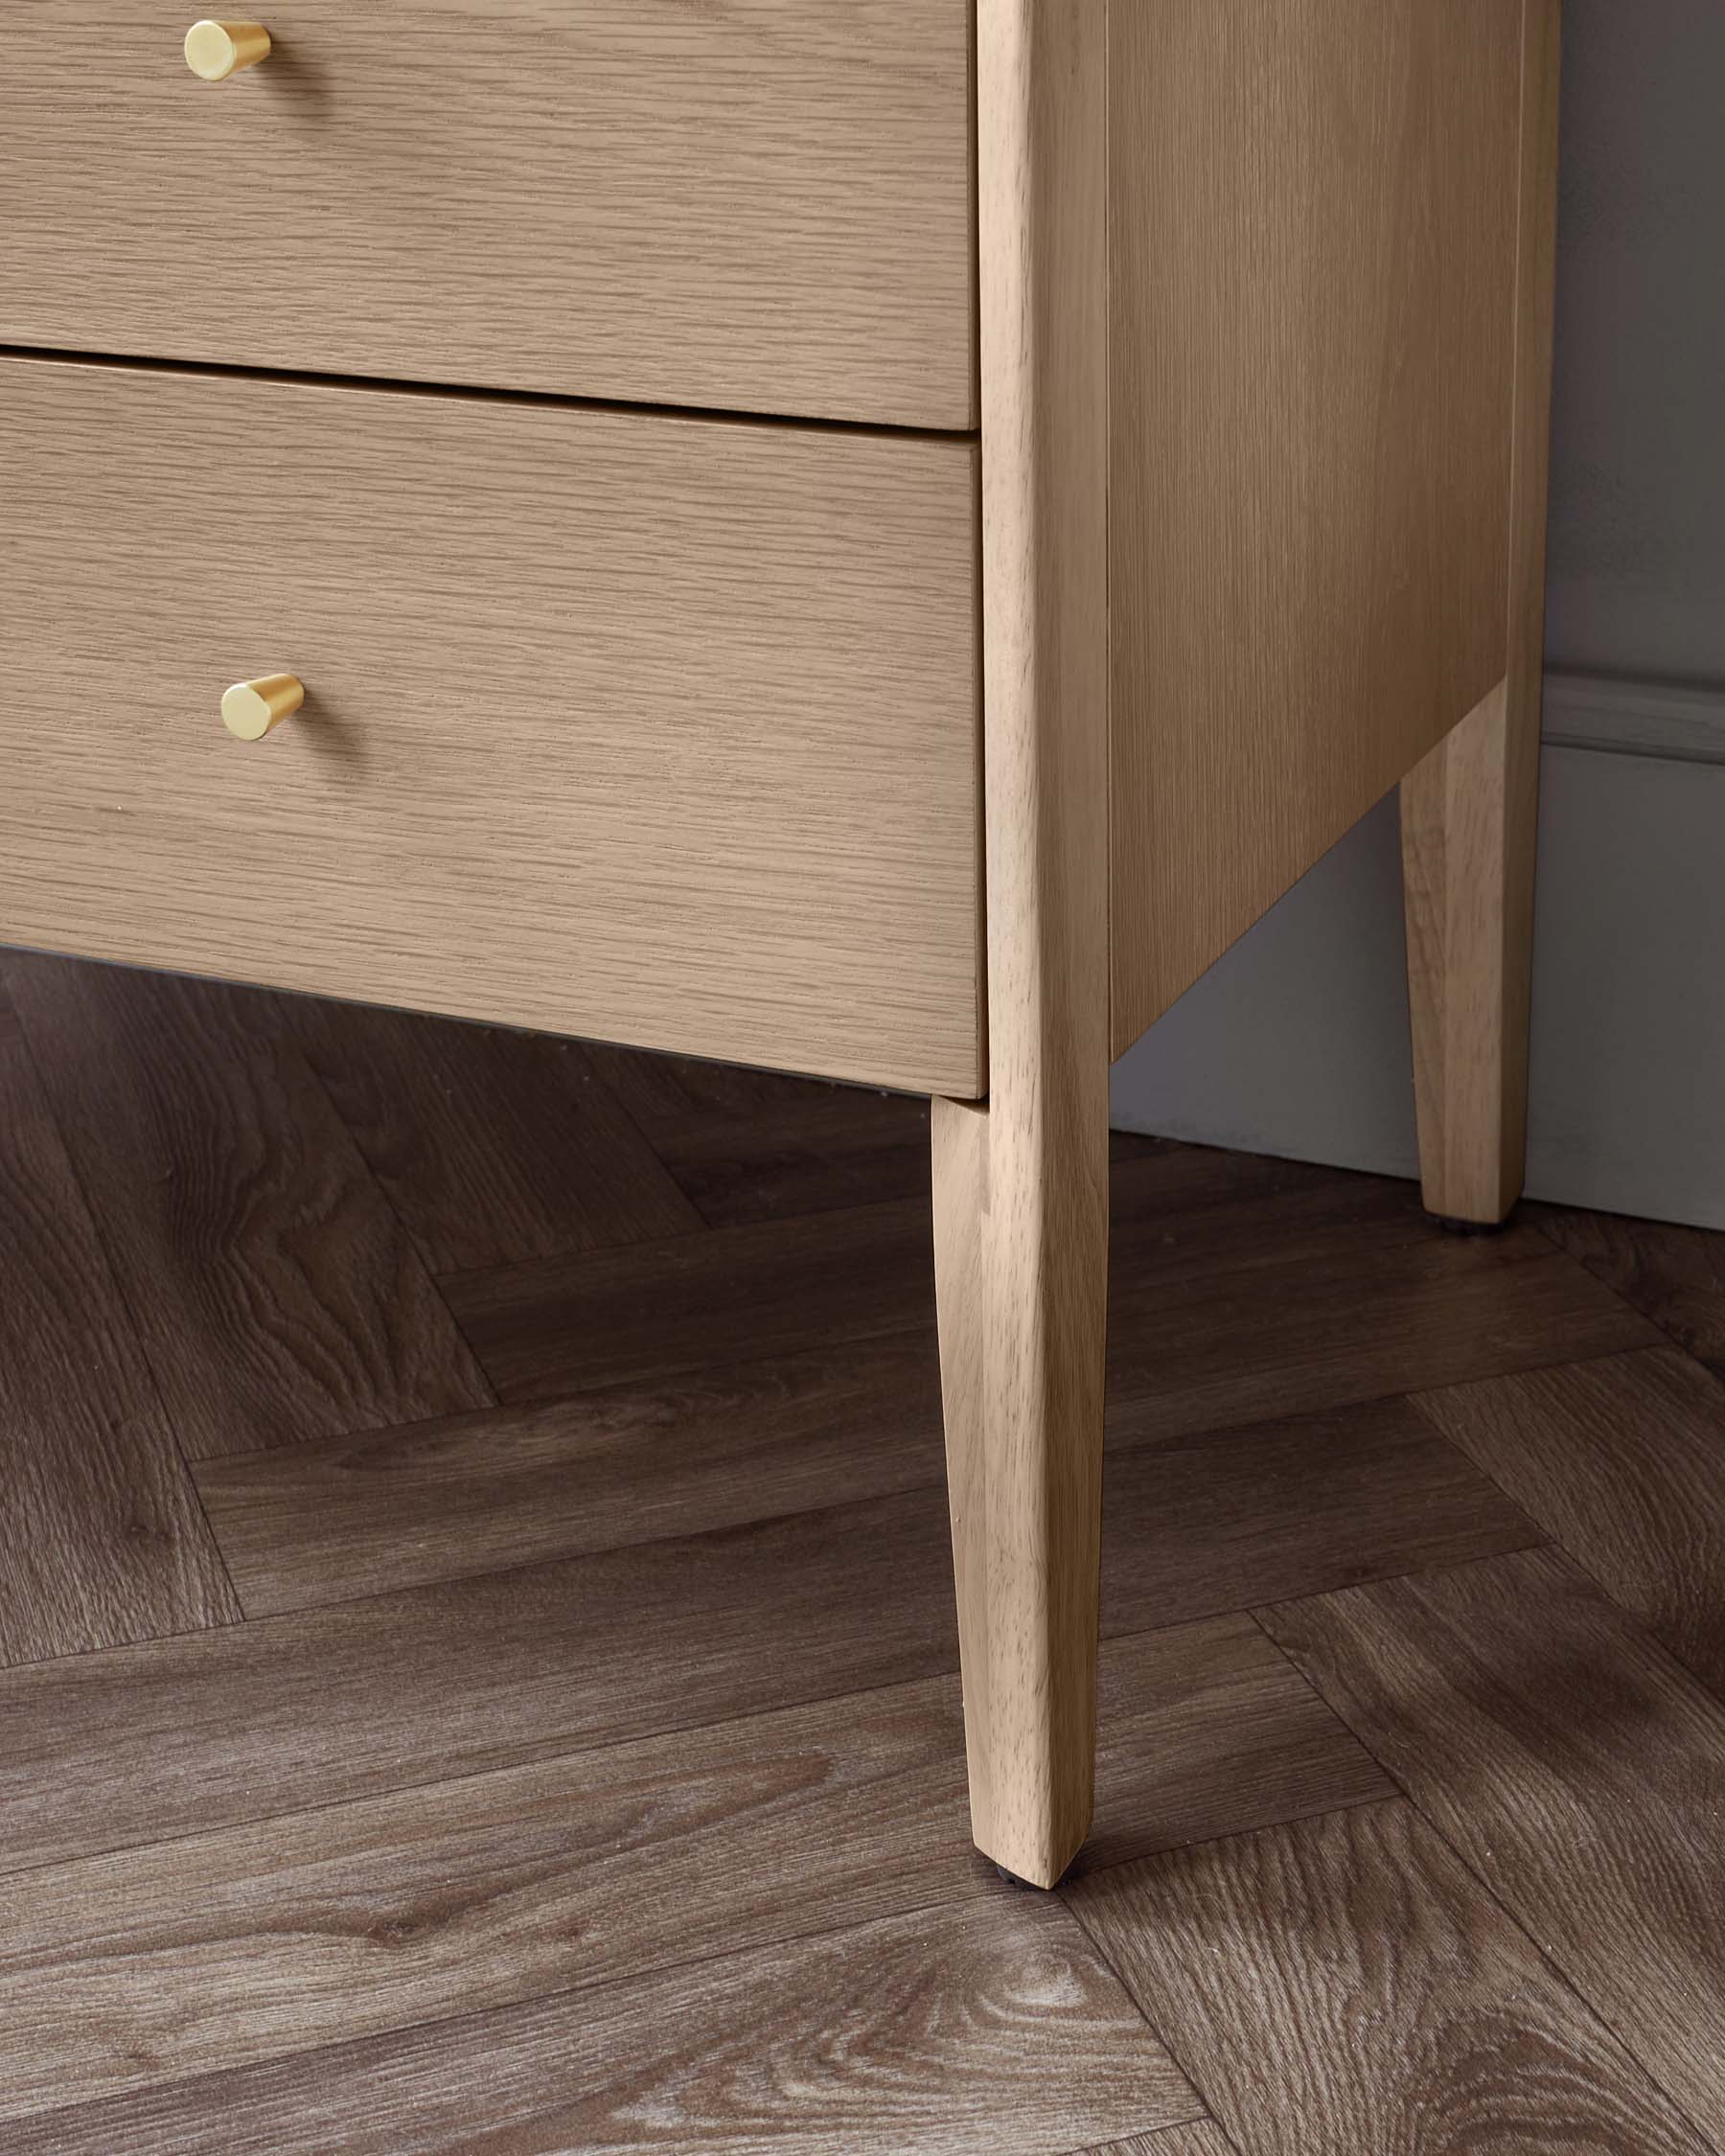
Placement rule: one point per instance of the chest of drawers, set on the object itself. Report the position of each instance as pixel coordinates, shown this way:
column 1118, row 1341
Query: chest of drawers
column 869, row 536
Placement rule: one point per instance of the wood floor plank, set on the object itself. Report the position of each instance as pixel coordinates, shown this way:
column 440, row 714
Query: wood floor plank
column 1673, row 1274
column 1295, row 1304
column 1239, row 1288
column 739, row 1441
column 561, row 1325
column 102, row 1536
column 434, row 1680
column 307, row 1523
column 1342, row 1986
column 492, row 1146
column 750, row 1145
column 1211, row 1523
column 776, row 1285
column 414, row 1686
column 995, row 2029
column 275, row 1293
column 1575, row 1766
column 1623, row 1462
column 675, row 1454
column 1204, row 1729
column 1204, row 2138
column 773, row 1285
column 120, row 1972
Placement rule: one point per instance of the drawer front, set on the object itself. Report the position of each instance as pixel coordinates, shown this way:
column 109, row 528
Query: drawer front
column 657, row 729
column 764, row 205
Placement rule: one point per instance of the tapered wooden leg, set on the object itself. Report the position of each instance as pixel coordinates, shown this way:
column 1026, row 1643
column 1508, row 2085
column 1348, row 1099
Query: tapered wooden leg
column 1020, row 1246
column 1468, row 815
column 1469, row 811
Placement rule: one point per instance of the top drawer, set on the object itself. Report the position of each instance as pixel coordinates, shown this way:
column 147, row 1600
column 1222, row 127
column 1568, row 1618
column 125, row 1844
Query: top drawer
column 764, row 205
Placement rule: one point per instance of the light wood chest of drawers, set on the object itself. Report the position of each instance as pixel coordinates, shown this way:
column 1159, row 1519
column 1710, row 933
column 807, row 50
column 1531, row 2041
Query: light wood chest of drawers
column 874, row 536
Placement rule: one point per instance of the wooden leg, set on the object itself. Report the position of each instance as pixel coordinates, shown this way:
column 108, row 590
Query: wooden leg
column 1021, row 1182
column 1469, row 811
column 1020, row 1246
column 1468, row 815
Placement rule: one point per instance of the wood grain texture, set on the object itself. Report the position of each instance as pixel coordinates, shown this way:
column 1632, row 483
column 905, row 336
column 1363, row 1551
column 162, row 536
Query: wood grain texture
column 399, row 1689
column 1391, row 2005
column 1674, row 1275
column 102, row 1538
column 631, row 200
column 1021, row 1185
column 302, row 1525
column 1236, row 1287
column 122, row 1972
column 1204, row 1729
column 1204, row 2138
column 768, row 1286
column 747, row 1145
column 990, row 2032
column 1361, row 1493
column 1325, row 1498
column 647, row 1310
column 1313, row 212
column 1623, row 1462
column 658, row 729
column 439, row 1680
column 490, row 1146
column 1470, row 809
column 1303, row 1293
column 1571, row 1763
column 733, row 1441
column 274, row 1290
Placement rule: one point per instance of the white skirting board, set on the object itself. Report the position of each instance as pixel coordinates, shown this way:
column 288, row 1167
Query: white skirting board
column 1295, row 1042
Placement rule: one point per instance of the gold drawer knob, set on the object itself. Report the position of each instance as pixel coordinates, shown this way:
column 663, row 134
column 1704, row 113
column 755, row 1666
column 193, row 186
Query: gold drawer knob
column 216, row 49
column 250, row 708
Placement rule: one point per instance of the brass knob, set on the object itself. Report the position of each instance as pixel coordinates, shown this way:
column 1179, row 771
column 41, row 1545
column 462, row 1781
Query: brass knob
column 250, row 708
column 216, row 49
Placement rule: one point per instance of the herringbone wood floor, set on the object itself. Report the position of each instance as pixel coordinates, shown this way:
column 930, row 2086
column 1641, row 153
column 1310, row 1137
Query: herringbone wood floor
column 479, row 1663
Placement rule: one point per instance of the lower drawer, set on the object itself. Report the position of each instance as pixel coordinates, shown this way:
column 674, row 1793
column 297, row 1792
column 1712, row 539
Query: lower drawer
column 656, row 729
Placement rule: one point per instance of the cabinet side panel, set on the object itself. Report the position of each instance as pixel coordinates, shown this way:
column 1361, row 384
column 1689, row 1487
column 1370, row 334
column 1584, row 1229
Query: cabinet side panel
column 1313, row 218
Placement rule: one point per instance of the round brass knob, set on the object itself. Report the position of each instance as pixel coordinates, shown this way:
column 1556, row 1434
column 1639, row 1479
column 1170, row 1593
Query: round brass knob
column 216, row 49
column 250, row 708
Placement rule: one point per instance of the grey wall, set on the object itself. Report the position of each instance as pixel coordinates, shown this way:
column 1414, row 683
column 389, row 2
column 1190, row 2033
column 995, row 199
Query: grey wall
column 1297, row 1041
column 1636, row 570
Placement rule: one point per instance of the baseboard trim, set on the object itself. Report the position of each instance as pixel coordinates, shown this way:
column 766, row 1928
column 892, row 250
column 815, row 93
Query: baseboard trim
column 1679, row 723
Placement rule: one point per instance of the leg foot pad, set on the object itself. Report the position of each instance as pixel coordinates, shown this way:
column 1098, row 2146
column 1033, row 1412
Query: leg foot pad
column 1451, row 1225
column 1026, row 1886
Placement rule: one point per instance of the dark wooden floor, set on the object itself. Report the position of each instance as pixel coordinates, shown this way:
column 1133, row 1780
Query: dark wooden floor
column 479, row 1658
